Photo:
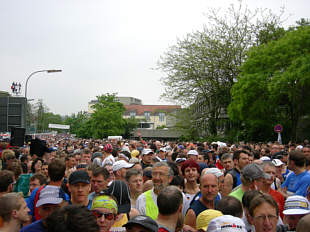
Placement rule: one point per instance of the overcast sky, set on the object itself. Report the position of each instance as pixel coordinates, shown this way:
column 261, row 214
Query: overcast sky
column 101, row 45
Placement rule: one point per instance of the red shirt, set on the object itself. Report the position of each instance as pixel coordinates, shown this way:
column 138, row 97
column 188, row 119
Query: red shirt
column 279, row 198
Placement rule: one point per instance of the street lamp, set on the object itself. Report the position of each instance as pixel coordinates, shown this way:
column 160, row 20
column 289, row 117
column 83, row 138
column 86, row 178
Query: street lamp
column 48, row 71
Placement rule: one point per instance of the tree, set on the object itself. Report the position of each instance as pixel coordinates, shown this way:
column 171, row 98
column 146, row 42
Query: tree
column 79, row 124
column 273, row 86
column 130, row 125
column 107, row 119
column 202, row 68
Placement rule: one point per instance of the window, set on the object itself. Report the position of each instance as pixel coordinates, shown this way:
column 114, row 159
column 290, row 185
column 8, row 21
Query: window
column 132, row 114
column 161, row 117
column 147, row 115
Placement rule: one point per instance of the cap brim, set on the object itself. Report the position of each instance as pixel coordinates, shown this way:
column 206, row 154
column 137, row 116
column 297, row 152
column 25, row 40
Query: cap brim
column 146, row 226
column 80, row 181
column 53, row 201
column 295, row 211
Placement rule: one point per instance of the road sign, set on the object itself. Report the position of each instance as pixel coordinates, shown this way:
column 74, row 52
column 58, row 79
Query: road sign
column 278, row 128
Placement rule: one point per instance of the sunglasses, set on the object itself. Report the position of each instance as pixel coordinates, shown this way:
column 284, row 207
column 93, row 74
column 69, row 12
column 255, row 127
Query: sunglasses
column 108, row 216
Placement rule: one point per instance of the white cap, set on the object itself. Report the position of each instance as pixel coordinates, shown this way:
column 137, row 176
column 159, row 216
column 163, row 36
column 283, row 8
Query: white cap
column 299, row 147
column 226, row 223
column 162, row 149
column 179, row 160
column 215, row 171
column 192, row 152
column 121, row 164
column 265, row 158
column 147, row 151
column 296, row 205
column 277, row 162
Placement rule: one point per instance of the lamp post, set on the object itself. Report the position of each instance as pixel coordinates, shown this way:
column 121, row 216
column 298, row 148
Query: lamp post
column 48, row 71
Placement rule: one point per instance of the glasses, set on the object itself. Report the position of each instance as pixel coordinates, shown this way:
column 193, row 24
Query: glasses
column 108, row 216
column 262, row 218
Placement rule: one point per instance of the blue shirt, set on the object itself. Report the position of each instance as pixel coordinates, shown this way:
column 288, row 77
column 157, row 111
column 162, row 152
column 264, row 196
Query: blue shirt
column 297, row 184
column 34, row 227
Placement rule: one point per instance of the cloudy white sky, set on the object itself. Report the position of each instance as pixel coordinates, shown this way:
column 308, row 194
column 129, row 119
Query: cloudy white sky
column 101, row 45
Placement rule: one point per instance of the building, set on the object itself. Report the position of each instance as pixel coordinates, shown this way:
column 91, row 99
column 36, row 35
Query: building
column 151, row 117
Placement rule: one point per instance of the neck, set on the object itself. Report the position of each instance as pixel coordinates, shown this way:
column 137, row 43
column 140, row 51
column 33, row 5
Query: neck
column 83, row 203
column 134, row 195
column 191, row 187
column 55, row 183
column 265, row 188
column 208, row 204
column 245, row 188
column 169, row 221
column 299, row 170
column 11, row 226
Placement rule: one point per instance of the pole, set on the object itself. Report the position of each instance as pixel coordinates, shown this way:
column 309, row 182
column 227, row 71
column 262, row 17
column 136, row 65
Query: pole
column 26, row 85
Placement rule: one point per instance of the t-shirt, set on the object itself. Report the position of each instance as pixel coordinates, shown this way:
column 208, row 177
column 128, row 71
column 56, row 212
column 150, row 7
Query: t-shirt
column 238, row 193
column 34, row 227
column 297, row 184
column 279, row 198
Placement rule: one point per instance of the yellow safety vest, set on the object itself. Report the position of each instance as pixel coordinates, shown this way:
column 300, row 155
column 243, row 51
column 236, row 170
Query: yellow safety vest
column 151, row 207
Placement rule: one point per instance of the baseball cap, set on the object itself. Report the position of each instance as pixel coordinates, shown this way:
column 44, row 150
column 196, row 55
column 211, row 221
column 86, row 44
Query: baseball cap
column 253, row 172
column 143, row 221
column 192, row 152
column 277, row 162
column 50, row 195
column 180, row 160
column 226, row 223
column 79, row 176
column 135, row 153
column 205, row 217
column 121, row 164
column 162, row 149
column 265, row 158
column 215, row 171
column 147, row 151
column 296, row 205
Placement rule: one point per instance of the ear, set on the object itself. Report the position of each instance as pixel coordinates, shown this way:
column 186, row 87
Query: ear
column 14, row 214
column 180, row 208
column 170, row 179
column 69, row 188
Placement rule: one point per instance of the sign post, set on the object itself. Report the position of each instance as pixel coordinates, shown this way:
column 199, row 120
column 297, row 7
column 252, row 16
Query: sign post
column 278, row 129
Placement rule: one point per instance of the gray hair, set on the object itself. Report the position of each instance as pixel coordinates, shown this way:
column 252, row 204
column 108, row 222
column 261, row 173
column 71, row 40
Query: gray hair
column 164, row 164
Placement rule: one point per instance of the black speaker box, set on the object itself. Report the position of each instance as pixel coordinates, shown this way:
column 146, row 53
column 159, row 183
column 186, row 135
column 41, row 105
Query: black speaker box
column 37, row 147
column 17, row 136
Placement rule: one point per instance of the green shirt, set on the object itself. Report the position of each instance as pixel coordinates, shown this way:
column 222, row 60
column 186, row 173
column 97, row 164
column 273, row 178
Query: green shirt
column 237, row 194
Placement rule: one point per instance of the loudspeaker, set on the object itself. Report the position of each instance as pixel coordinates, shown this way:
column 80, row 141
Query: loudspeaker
column 17, row 136
column 37, row 147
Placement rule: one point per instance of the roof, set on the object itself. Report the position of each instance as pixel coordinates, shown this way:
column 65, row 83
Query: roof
column 140, row 109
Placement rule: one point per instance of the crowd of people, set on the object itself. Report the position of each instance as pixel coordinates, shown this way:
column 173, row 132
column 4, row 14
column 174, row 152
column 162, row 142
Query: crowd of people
column 137, row 185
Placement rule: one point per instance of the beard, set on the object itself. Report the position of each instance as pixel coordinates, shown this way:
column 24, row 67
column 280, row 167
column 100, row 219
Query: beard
column 159, row 187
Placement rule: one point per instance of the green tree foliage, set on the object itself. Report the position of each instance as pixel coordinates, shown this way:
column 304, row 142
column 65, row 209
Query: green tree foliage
column 107, row 119
column 130, row 125
column 79, row 124
column 273, row 86
column 202, row 68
